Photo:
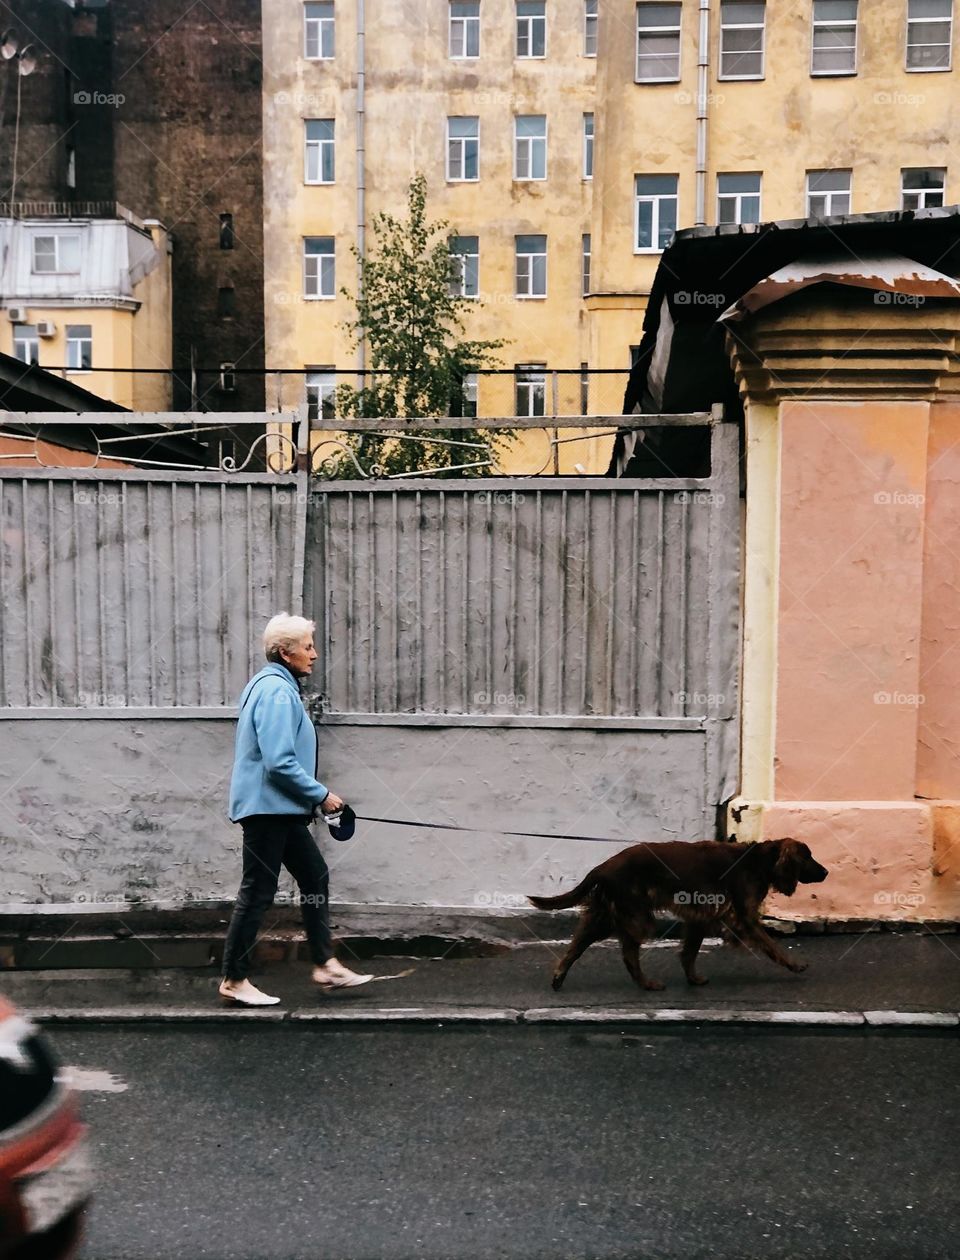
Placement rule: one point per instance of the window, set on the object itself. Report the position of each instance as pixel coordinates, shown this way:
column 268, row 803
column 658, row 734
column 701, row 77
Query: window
column 226, row 301
column 318, row 32
column 741, row 39
column 227, row 239
column 588, row 146
column 922, row 187
column 929, row 34
column 738, row 198
column 531, row 28
column 319, row 267
column 834, row 47
column 321, row 390
column 465, row 266
column 318, row 151
column 585, row 264
column 56, row 254
column 530, row 146
column 531, row 266
column 658, row 43
column 26, row 343
column 656, row 212
column 584, row 389
column 71, row 166
column 463, row 148
column 531, row 389
column 828, row 192
column 228, row 378
column 590, row 26
column 464, row 29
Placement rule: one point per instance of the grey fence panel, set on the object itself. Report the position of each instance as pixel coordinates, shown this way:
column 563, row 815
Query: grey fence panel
column 581, row 599
column 139, row 590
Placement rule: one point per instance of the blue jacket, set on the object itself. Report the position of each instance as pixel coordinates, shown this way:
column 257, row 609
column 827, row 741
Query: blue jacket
column 276, row 751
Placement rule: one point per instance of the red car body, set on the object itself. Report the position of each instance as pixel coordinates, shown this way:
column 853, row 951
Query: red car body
column 45, row 1177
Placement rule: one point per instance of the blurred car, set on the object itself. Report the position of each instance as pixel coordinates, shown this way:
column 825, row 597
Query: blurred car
column 45, row 1176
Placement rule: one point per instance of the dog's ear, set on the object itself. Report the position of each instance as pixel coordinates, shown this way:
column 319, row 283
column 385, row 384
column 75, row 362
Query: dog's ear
column 784, row 876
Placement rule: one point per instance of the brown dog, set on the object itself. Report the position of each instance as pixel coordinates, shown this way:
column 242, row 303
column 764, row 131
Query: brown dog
column 707, row 884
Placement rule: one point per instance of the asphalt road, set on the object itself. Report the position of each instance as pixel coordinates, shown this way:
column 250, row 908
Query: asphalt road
column 319, row 1143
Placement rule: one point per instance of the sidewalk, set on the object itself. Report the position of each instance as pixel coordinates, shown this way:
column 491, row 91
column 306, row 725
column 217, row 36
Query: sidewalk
column 875, row 979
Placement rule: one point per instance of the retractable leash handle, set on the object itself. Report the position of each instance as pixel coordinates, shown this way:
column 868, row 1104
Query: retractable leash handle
column 342, row 824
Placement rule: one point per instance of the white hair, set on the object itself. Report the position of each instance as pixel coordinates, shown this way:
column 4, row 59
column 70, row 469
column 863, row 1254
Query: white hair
column 284, row 631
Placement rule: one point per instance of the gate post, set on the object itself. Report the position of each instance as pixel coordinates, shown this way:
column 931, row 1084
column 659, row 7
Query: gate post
column 850, row 723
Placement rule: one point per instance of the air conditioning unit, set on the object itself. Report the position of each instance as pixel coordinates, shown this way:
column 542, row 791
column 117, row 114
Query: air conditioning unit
column 17, row 314
column 46, row 328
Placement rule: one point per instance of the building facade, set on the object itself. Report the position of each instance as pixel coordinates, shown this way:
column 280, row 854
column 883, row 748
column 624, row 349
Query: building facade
column 88, row 286
column 565, row 140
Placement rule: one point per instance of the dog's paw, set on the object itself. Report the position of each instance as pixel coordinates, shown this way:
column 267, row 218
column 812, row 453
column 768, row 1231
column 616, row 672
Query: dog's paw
column 654, row 986
column 697, row 979
column 798, row 967
column 557, row 983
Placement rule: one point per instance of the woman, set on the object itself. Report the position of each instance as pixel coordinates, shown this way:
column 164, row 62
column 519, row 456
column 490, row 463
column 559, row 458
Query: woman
column 273, row 795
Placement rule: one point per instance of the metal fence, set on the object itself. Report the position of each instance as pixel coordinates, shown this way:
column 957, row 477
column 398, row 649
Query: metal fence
column 140, row 590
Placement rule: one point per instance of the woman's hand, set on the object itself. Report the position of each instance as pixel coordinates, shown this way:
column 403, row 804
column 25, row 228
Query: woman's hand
column 330, row 803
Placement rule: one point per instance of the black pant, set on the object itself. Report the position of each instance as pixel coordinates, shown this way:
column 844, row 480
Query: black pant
column 268, row 841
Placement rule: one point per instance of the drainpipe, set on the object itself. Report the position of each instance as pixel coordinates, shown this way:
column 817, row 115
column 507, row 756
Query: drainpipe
column 361, row 172
column 703, row 69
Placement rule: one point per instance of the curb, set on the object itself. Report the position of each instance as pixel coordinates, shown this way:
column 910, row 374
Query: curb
column 498, row 1015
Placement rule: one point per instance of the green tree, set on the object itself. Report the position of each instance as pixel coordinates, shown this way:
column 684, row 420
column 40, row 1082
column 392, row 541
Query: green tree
column 413, row 326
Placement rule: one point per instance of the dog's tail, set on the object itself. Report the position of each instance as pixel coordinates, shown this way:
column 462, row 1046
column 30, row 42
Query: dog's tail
column 572, row 898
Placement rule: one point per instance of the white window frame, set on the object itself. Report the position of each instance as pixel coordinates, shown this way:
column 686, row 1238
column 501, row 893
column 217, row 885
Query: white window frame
column 528, row 377
column 586, row 254
column 461, row 142
column 655, row 200
column 740, row 26
column 458, row 273
column 737, row 198
column 58, row 269
column 320, row 148
column 464, row 25
column 320, row 271
column 26, row 335
column 830, row 193
column 326, row 29
column 921, row 193
column 74, row 341
column 529, row 20
column 591, row 27
column 529, row 145
column 826, row 24
column 319, row 387
column 676, row 30
column 528, row 280
column 589, row 134
column 921, row 21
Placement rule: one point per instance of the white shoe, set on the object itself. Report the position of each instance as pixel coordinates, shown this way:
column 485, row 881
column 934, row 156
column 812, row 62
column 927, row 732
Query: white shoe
column 246, row 994
column 334, row 975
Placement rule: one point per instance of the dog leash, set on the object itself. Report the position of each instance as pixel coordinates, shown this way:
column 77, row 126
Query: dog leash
column 531, row 835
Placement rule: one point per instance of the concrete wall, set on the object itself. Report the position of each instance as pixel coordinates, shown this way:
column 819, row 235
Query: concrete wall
column 97, row 812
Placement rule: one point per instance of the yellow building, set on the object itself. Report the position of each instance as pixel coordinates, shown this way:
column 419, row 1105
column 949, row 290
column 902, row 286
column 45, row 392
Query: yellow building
column 88, row 287
column 722, row 111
